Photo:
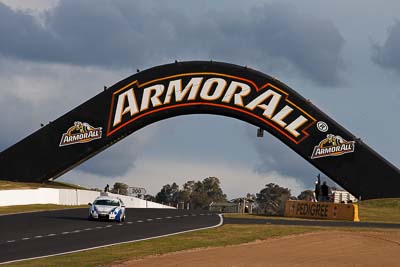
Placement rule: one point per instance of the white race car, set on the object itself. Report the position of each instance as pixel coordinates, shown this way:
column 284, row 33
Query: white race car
column 108, row 208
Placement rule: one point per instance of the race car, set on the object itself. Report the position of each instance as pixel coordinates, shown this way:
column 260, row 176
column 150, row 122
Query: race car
column 107, row 208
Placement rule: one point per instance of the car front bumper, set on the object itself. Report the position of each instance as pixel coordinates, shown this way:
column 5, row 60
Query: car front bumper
column 103, row 216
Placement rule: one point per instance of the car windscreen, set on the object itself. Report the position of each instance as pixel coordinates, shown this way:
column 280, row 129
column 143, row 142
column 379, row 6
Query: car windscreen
column 106, row 202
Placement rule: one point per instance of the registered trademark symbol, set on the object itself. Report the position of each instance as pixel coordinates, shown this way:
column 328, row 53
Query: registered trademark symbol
column 322, row 126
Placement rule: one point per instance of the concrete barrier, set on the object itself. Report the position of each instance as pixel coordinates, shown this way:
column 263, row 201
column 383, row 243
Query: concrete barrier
column 66, row 197
column 134, row 202
column 321, row 210
column 29, row 196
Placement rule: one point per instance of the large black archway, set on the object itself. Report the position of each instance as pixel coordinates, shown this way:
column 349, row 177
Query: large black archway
column 201, row 88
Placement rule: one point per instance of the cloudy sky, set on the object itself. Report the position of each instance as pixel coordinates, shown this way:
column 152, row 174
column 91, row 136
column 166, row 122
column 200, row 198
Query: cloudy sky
column 342, row 55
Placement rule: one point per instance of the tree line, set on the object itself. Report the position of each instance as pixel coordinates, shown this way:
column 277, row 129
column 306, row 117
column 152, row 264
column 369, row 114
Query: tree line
column 200, row 194
column 195, row 194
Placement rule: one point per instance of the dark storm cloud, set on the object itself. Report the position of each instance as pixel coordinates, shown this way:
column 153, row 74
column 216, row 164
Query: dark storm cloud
column 312, row 46
column 129, row 34
column 276, row 156
column 12, row 110
column 34, row 94
column 387, row 55
column 116, row 162
column 22, row 37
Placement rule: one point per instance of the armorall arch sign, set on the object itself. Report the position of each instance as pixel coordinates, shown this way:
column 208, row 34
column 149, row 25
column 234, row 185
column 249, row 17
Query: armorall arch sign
column 200, row 87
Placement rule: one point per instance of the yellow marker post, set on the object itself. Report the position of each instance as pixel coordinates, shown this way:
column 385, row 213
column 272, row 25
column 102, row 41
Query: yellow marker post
column 356, row 219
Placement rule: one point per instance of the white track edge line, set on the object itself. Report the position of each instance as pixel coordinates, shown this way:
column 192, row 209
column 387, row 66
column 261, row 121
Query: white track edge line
column 221, row 222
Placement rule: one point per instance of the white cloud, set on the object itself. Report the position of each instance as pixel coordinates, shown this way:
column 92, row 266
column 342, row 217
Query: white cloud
column 33, row 5
column 387, row 55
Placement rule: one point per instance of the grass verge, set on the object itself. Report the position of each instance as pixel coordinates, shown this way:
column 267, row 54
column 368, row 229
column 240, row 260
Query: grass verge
column 221, row 236
column 380, row 210
column 35, row 207
column 9, row 185
column 255, row 216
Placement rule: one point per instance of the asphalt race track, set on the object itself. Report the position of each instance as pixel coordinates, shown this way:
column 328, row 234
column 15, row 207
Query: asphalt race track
column 37, row 234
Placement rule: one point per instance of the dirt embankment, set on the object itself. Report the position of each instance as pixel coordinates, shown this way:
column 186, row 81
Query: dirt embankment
column 325, row 248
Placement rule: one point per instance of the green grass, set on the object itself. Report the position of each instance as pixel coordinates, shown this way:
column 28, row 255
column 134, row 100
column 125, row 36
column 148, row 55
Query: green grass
column 221, row 236
column 255, row 216
column 231, row 234
column 380, row 210
column 35, row 207
column 9, row 185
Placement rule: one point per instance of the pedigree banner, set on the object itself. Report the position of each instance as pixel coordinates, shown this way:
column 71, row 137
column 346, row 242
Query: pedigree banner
column 321, row 210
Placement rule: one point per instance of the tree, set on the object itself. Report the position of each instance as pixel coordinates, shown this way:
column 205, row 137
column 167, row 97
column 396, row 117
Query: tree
column 251, row 197
column 187, row 190
column 168, row 194
column 271, row 199
column 149, row 198
column 212, row 186
column 198, row 194
column 307, row 195
column 205, row 192
column 120, row 188
column 199, row 198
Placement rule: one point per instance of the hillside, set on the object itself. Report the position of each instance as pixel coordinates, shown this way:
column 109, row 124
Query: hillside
column 378, row 210
column 8, row 185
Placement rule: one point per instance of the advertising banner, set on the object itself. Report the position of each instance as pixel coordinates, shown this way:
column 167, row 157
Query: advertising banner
column 321, row 210
column 201, row 87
